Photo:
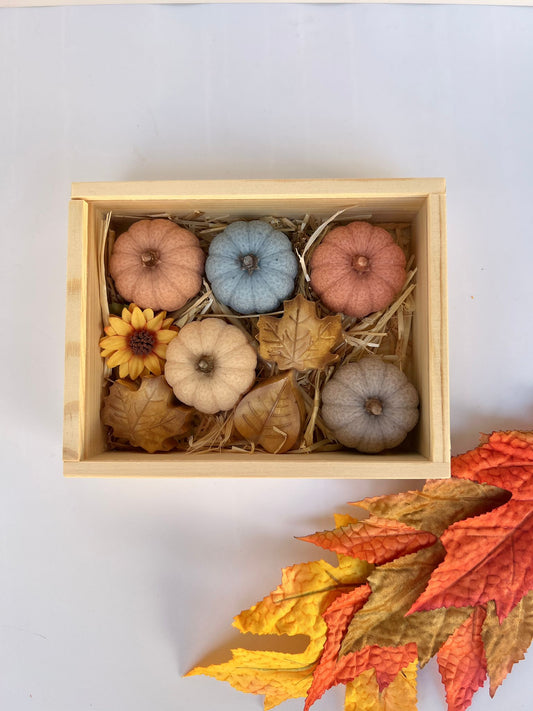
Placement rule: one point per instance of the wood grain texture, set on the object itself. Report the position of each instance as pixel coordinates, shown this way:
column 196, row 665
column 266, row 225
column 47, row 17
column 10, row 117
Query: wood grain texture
column 328, row 465
column 253, row 189
column 75, row 344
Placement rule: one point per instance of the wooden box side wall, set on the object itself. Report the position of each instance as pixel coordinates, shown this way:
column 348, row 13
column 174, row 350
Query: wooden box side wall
column 75, row 341
column 430, row 329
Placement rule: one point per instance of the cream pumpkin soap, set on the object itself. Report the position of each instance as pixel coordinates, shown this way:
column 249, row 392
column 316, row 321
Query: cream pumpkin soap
column 210, row 365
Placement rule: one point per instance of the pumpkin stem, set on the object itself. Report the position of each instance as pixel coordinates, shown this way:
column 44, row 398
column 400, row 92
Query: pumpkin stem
column 374, row 406
column 149, row 258
column 205, row 364
column 361, row 263
column 249, row 262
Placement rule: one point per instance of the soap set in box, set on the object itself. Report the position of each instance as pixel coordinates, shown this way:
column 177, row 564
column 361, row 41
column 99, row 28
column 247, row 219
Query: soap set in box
column 265, row 335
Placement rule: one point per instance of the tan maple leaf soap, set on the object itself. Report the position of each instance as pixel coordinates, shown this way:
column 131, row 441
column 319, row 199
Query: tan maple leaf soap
column 299, row 339
column 145, row 415
column 210, row 364
column 357, row 269
column 157, row 265
column 369, row 405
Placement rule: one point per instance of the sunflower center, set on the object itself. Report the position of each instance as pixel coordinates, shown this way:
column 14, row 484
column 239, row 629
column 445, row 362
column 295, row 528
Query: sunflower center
column 150, row 258
column 142, row 342
column 205, row 364
column 374, row 406
column 249, row 262
column 361, row 263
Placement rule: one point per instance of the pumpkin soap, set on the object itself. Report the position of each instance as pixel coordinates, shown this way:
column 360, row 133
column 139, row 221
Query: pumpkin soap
column 251, row 267
column 210, row 364
column 357, row 269
column 369, row 405
column 157, row 265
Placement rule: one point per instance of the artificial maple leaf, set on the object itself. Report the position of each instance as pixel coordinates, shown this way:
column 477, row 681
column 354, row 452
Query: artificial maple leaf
column 333, row 670
column 299, row 339
column 506, row 643
column 363, row 694
column 295, row 607
column 144, row 416
column 275, row 675
column 382, row 620
column 440, row 503
column 462, row 662
column 374, row 540
column 272, row 414
column 489, row 557
column 375, row 631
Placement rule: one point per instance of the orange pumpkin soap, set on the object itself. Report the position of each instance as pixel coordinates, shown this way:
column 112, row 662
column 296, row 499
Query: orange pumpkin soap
column 210, row 364
column 157, row 265
column 357, row 269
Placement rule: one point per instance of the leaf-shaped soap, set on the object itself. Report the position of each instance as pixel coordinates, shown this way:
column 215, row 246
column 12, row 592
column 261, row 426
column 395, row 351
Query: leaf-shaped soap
column 272, row 414
column 145, row 416
column 299, row 339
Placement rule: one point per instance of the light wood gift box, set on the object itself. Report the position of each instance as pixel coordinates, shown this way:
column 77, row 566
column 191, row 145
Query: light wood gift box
column 419, row 202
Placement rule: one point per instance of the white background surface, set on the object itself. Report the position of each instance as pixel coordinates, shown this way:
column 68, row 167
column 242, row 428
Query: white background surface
column 113, row 589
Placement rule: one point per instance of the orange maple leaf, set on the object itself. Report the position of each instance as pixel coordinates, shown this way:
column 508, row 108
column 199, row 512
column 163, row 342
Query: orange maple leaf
column 332, row 670
column 462, row 662
column 374, row 540
column 489, row 557
column 447, row 572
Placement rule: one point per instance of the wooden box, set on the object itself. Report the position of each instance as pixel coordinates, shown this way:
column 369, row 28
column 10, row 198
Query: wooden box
column 418, row 202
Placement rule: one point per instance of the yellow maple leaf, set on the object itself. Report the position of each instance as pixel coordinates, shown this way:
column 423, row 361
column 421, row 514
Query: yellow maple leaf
column 362, row 694
column 295, row 607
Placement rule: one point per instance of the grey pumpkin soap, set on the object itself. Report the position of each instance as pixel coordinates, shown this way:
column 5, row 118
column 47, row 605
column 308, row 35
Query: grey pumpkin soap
column 369, row 405
column 251, row 267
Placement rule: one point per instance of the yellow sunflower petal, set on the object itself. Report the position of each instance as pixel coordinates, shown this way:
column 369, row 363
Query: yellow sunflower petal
column 123, row 370
column 160, row 349
column 165, row 336
column 151, row 362
column 136, row 365
column 107, row 352
column 154, row 324
column 121, row 327
column 126, row 315
column 119, row 357
column 148, row 314
column 110, row 331
column 113, row 342
column 137, row 319
column 167, row 322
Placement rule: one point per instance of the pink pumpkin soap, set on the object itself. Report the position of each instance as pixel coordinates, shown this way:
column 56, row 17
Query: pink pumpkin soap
column 158, row 265
column 357, row 269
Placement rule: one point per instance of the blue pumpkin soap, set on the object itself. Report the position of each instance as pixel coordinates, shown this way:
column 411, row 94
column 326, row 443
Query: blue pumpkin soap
column 251, row 267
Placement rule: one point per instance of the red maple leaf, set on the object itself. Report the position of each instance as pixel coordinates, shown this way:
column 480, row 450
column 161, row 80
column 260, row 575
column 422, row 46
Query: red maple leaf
column 488, row 557
column 462, row 662
column 376, row 540
column 332, row 670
